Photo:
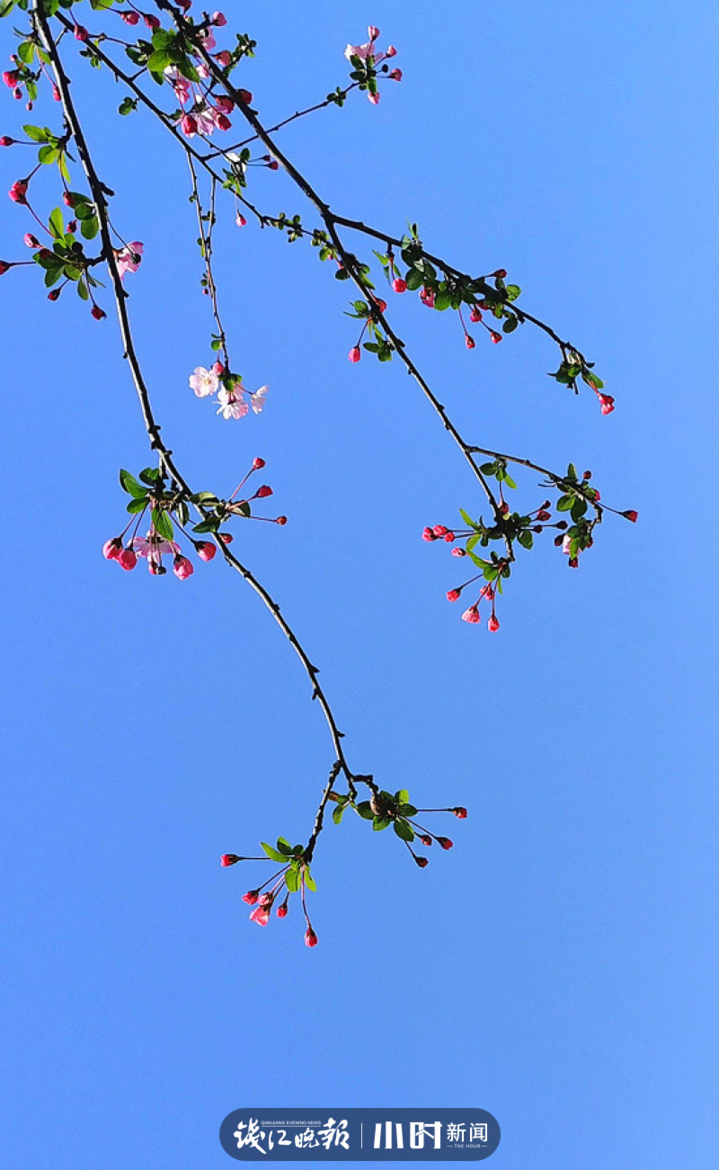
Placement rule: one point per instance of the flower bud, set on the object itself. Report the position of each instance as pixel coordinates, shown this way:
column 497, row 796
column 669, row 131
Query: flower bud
column 453, row 595
column 127, row 559
column 496, row 337
column 427, row 534
column 458, row 552
column 471, row 615
column 68, row 198
column 246, row 96
column 607, row 403
column 130, row 17
column 229, row 859
column 250, row 897
column 282, row 910
column 501, row 273
column 281, row 520
column 111, row 549
column 98, row 313
column 355, row 354
column 226, row 537
column 445, row 842
column 182, row 567
column 219, row 19
column 81, row 33
column 53, row 294
column 493, row 624
column 4, row 267
column 240, row 220
column 257, row 463
column 222, row 122
column 310, row 937
column 30, row 240
column 476, row 315
column 263, row 491
column 205, row 550
column 391, row 51
column 18, row 192
column 630, row 514
column 260, row 915
column 469, row 341
column 459, row 812
column 399, row 285
column 188, row 125
column 422, row 862
column 6, row 141
column 396, row 74
column 10, row 78
column 151, row 21
column 425, row 839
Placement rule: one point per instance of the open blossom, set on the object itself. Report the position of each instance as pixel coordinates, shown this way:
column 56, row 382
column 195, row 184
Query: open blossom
column 232, row 403
column 153, row 546
column 257, row 400
column 129, row 258
column 204, row 382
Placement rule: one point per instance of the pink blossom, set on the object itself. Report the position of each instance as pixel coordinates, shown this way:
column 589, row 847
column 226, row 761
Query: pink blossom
column 153, row 548
column 257, row 400
column 374, row 98
column 129, row 258
column 207, row 37
column 260, row 915
column 567, row 545
column 361, row 51
column 204, row 382
column 606, row 402
column 471, row 615
column 232, row 403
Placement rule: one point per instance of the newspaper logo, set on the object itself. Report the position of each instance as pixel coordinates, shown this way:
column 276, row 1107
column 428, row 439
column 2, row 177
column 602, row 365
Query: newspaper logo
column 359, row 1135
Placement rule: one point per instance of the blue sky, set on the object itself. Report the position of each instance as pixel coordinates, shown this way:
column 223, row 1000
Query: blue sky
column 558, row 967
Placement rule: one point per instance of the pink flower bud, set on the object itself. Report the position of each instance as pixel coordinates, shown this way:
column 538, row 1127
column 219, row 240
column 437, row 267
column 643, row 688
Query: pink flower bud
column 151, row 21
column 72, row 226
column 399, row 285
column 310, row 937
column 372, row 32
column 460, row 812
column 5, row 141
column 630, row 514
column 282, row 910
column 493, row 623
column 476, row 315
column 81, row 33
column 453, row 595
column 281, row 520
column 381, row 305
column 10, row 78
column 458, row 552
column 218, row 368
column 56, row 95
column 606, row 402
column 182, row 568
column 250, row 897
column 263, row 491
column 355, row 354
column 260, row 915
column 222, row 122
column 257, row 463
column 219, row 19
column 422, row 862
column 471, row 615
column 469, row 341
column 4, row 267
column 427, row 297
column 205, row 550
column 223, row 58
column 18, row 191
column 439, row 529
column 449, row 537
column 246, row 96
column 68, row 198
column 445, row 842
column 229, row 859
column 391, row 51
column 240, row 220
column 226, row 537
column 98, row 313
column 396, row 74
column 225, row 105
column 573, row 562
column 496, row 337
column 501, row 273
column 425, row 839
column 31, row 240
column 188, row 125
column 130, row 17
column 374, row 98
column 127, row 558
column 112, row 548
column 53, row 294
column 427, row 534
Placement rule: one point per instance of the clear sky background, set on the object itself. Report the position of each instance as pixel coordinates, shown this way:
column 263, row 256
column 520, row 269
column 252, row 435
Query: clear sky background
column 559, row 966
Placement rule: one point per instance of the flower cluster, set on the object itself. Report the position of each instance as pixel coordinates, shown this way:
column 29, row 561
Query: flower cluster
column 385, row 809
column 577, row 497
column 367, row 62
column 234, row 399
column 293, row 877
column 166, row 507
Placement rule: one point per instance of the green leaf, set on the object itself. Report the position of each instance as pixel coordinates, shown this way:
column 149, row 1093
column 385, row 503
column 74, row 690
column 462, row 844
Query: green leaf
column 163, row 524
column 82, row 290
column 379, row 823
column 525, row 538
column 284, row 846
column 402, row 796
column 136, row 506
column 89, row 228
column 365, row 810
column 407, row 810
column 510, row 325
column 564, row 503
column 57, row 226
column 292, row 879
column 467, row 518
column 48, row 154
column 404, row 830
column 272, row 853
column 310, row 881
column 338, row 813
column 36, row 133
column 129, row 484
column 150, row 475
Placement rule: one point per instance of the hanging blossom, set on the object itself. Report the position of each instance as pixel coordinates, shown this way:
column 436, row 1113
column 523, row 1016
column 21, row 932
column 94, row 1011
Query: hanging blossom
column 129, row 258
column 235, row 399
